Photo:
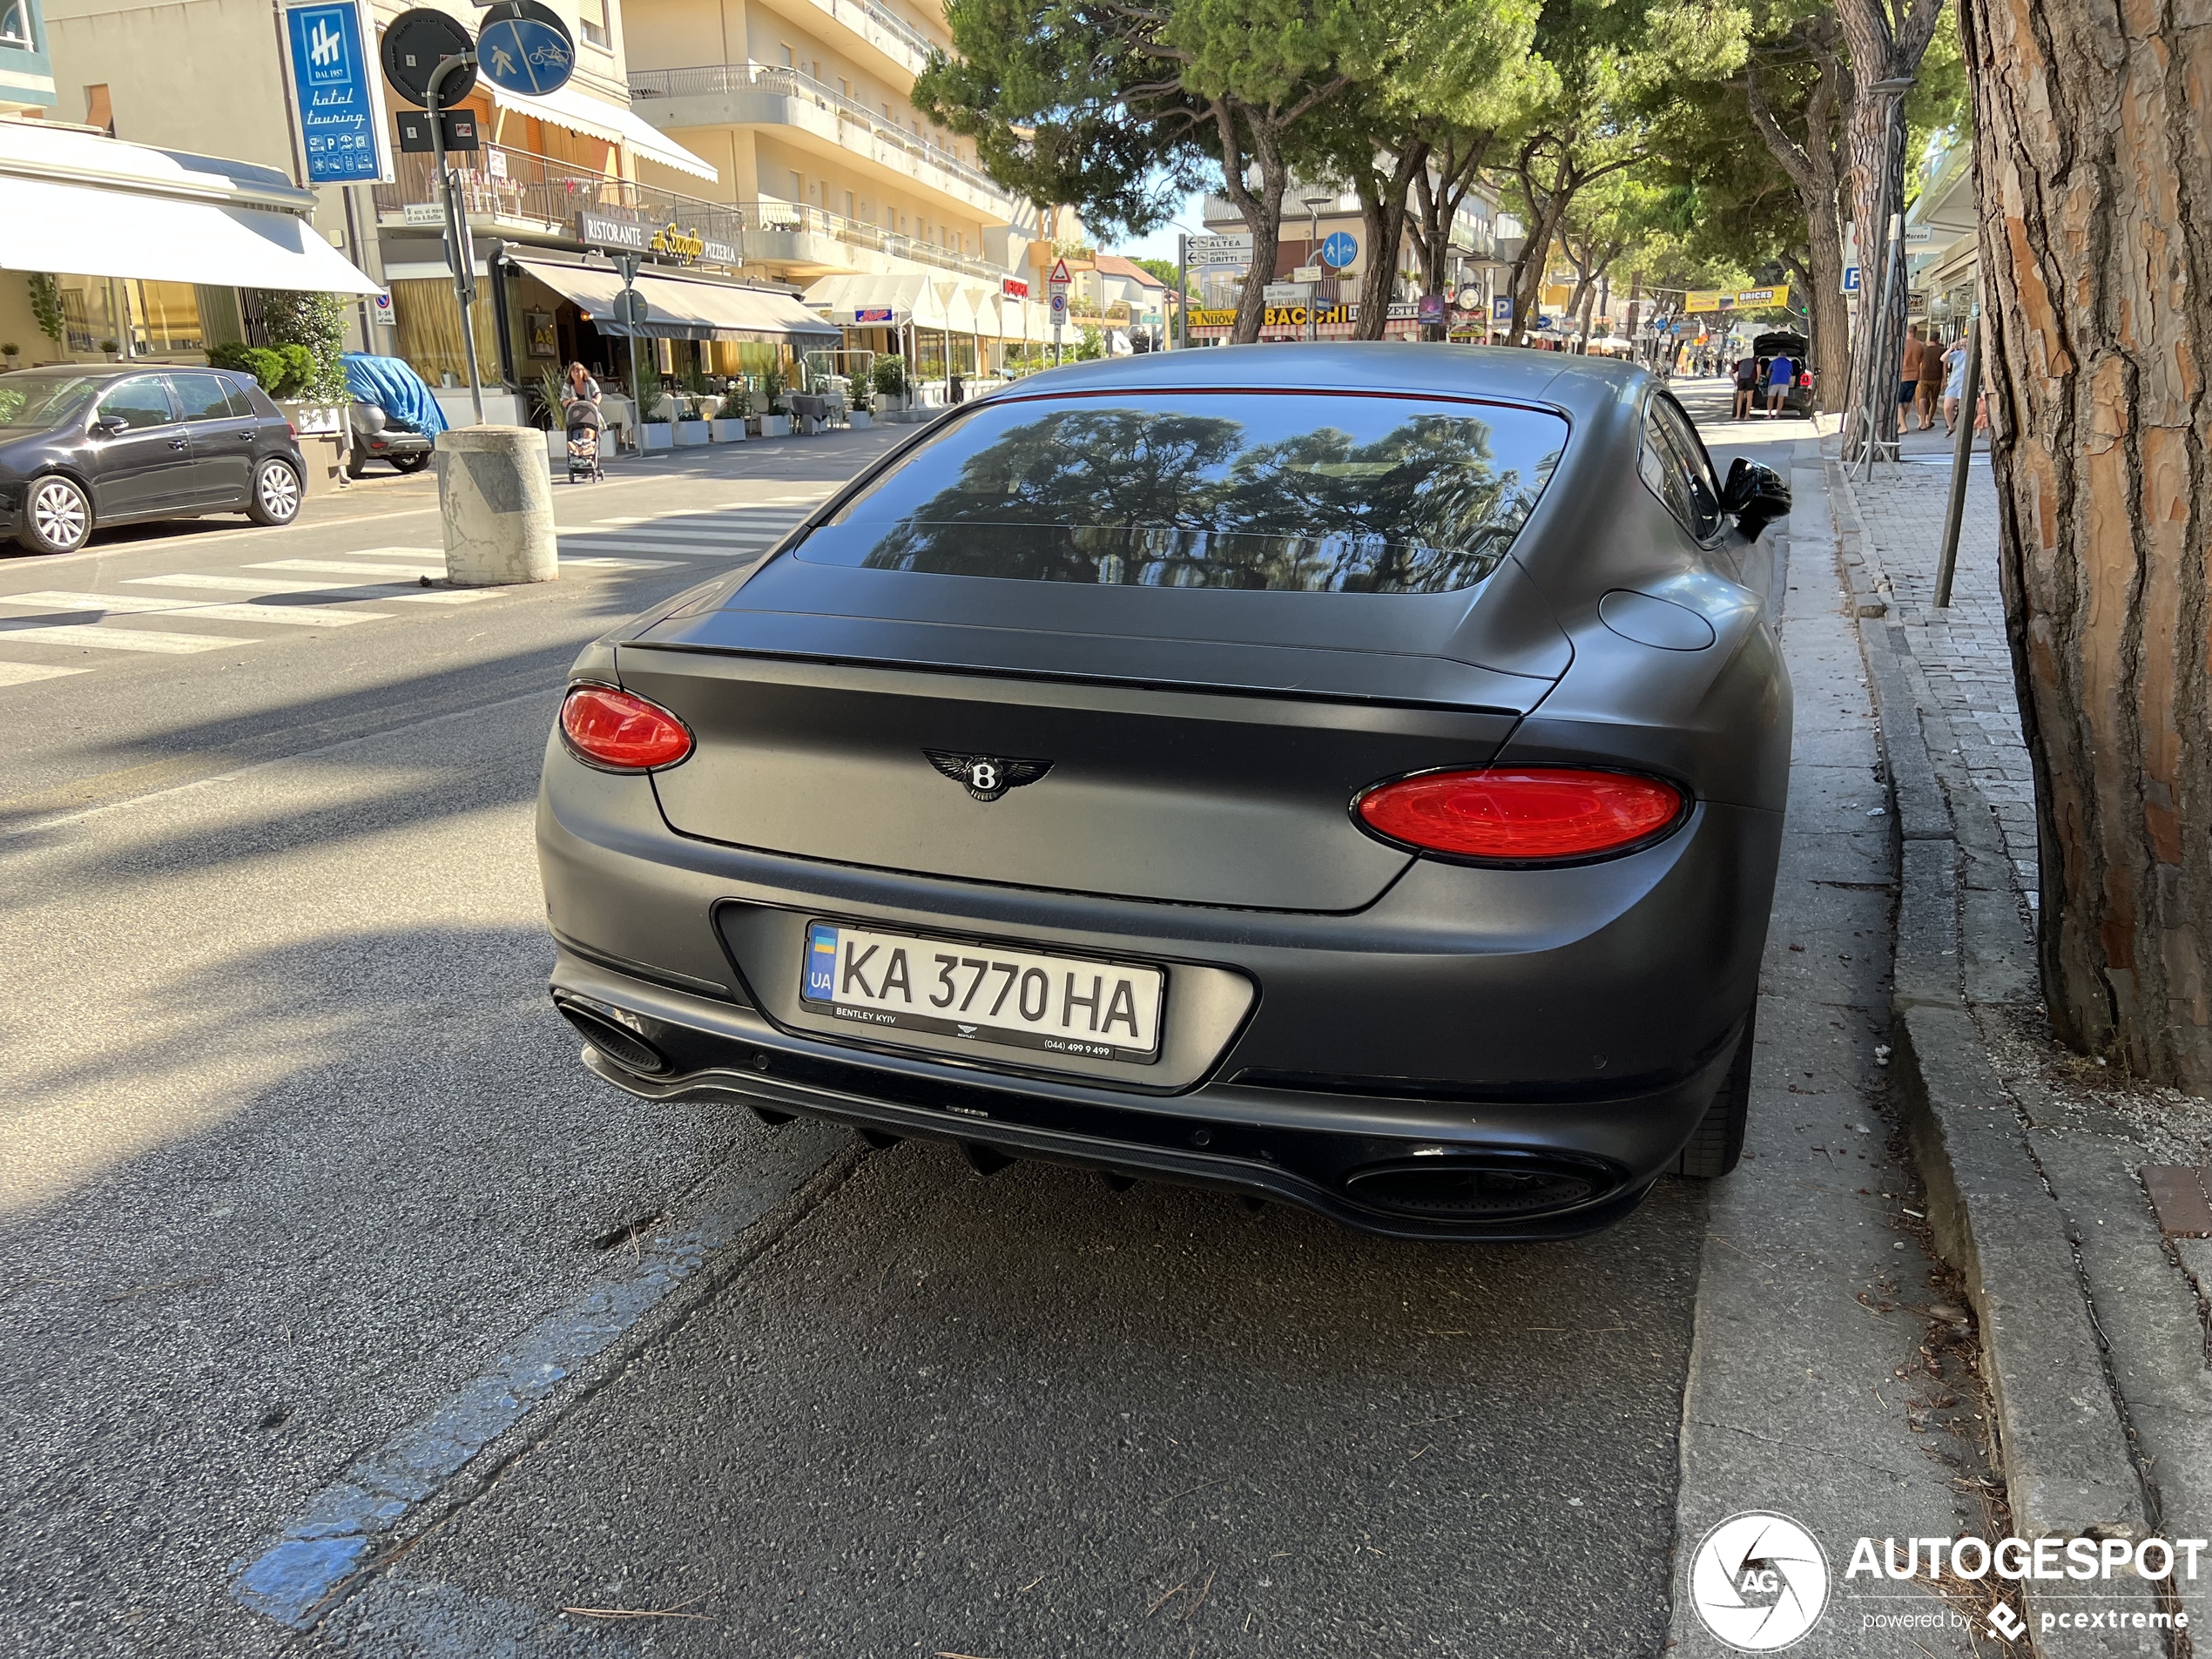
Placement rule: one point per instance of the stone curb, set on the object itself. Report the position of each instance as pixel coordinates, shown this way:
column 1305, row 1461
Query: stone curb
column 2067, row 1466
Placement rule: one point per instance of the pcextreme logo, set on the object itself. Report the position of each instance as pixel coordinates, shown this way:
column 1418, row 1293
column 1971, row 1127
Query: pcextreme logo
column 1759, row 1581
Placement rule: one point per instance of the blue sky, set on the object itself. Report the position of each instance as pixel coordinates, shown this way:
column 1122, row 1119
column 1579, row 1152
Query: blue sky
column 1160, row 244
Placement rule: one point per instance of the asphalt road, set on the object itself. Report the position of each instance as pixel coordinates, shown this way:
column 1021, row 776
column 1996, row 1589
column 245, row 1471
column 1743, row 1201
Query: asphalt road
column 307, row 1212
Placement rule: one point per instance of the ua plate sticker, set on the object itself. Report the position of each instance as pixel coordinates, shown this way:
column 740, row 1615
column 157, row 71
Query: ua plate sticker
column 984, row 994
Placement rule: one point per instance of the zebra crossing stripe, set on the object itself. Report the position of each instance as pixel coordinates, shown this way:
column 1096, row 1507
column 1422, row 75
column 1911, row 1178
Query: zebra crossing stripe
column 350, row 567
column 104, row 639
column 382, row 593
column 24, row 673
column 146, row 603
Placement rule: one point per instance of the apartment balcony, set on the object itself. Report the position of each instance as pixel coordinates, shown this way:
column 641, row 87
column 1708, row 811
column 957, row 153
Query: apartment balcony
column 818, row 117
column 906, row 47
column 517, row 192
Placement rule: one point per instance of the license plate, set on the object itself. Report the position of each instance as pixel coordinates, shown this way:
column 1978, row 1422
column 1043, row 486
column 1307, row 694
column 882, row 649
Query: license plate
column 986, row 994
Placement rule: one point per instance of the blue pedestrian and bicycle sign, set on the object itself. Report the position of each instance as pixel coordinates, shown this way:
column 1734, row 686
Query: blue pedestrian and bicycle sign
column 1340, row 250
column 524, row 47
column 341, row 118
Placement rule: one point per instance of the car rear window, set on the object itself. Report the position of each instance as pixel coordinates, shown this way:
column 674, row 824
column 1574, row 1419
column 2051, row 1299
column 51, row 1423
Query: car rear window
column 1308, row 493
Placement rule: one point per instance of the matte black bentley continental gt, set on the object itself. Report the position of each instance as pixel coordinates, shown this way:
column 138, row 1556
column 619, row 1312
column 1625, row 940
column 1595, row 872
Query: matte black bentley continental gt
column 1351, row 774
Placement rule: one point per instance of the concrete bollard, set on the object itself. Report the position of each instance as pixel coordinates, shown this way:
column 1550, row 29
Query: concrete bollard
column 495, row 497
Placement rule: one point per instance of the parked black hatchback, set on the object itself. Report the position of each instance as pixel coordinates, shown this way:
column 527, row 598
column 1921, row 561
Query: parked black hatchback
column 82, row 446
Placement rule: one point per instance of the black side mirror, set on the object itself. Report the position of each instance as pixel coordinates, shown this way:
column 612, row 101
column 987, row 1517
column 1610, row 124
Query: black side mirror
column 110, row 426
column 1756, row 494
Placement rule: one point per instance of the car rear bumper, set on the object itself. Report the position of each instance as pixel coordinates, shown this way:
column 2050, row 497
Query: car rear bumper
column 1572, row 1025
column 1499, row 1170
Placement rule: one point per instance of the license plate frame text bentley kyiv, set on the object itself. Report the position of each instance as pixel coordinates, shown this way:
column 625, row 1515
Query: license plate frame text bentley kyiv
column 1367, row 799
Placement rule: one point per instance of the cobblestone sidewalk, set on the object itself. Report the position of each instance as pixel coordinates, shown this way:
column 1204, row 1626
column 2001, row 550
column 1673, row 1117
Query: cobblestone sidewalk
column 1959, row 656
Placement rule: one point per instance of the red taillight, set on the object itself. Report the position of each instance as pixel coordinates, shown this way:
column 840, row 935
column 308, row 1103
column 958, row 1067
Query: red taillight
column 1521, row 815
column 624, row 733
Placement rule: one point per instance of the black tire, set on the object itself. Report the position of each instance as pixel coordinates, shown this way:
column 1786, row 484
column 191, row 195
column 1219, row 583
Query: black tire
column 356, row 463
column 1717, row 1145
column 409, row 463
column 278, row 490
column 57, row 516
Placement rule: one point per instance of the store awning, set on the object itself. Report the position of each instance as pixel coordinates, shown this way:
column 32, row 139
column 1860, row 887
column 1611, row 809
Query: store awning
column 90, row 205
column 941, row 304
column 677, row 309
column 571, row 107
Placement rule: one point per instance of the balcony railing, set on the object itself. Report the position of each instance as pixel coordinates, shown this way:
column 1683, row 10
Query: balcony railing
column 502, row 185
column 890, row 22
column 716, row 80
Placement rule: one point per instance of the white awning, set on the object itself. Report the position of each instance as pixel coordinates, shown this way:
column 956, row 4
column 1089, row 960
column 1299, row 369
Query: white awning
column 570, row 107
column 940, row 303
column 677, row 309
column 88, row 206
column 90, row 231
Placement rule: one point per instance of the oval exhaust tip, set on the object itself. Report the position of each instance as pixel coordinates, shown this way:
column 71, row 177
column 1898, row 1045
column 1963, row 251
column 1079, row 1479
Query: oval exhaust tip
column 618, row 1043
column 1479, row 1188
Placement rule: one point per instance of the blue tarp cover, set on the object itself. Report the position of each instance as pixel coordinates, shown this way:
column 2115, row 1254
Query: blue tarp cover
column 395, row 389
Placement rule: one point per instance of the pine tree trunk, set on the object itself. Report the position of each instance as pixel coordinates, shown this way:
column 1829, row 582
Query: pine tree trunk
column 2094, row 171
column 1831, row 317
column 1261, row 210
column 1876, row 144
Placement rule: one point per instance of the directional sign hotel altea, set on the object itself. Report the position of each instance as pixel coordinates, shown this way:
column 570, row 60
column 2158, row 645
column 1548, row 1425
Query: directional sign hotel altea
column 524, row 47
column 416, row 43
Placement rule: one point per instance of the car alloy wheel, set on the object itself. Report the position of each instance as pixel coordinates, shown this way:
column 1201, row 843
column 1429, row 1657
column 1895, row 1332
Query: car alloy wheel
column 276, row 494
column 60, row 517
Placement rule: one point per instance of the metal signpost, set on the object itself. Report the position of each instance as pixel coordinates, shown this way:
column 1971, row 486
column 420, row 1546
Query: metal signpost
column 430, row 60
column 340, row 100
column 1056, row 287
column 1962, row 456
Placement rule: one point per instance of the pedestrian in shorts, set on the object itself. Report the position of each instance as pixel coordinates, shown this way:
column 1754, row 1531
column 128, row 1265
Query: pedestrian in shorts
column 1747, row 387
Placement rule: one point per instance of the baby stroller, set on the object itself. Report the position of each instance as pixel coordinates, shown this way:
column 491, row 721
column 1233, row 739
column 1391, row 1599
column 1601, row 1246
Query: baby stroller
column 585, row 424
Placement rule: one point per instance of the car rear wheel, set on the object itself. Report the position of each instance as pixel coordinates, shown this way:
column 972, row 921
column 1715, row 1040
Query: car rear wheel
column 276, row 494
column 410, row 463
column 1718, row 1144
column 356, row 463
column 57, row 517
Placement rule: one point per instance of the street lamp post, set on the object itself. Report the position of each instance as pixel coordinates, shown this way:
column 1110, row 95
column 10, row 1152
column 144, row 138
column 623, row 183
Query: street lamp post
column 1313, row 206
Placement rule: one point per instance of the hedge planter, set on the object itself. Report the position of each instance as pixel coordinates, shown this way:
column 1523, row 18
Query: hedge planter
column 691, row 434
column 557, row 447
column 655, row 435
column 860, row 420
column 731, row 431
column 775, row 426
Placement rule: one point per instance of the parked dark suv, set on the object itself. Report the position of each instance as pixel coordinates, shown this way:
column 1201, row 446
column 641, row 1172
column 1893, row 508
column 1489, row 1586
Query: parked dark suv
column 87, row 445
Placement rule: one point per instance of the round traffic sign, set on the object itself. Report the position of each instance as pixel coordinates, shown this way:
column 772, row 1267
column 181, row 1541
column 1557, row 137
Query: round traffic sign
column 525, row 47
column 414, row 44
column 1340, row 250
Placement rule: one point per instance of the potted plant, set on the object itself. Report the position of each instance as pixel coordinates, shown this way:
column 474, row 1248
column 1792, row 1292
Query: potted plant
column 546, row 395
column 775, row 420
column 11, row 351
column 860, row 397
column 113, row 349
column 655, row 409
column 889, row 378
column 692, row 419
column 727, row 424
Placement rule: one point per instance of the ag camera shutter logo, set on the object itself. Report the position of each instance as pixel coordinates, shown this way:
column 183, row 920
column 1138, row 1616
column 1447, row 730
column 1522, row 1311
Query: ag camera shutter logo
column 1759, row 1581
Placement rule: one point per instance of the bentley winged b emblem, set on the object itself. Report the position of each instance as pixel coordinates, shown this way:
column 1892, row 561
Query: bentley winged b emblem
column 988, row 777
